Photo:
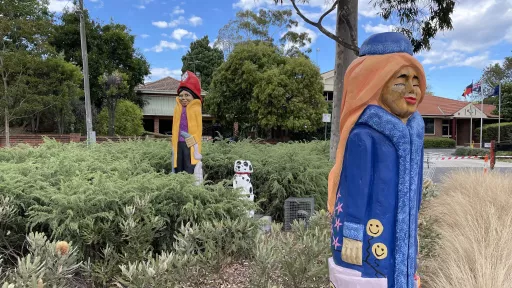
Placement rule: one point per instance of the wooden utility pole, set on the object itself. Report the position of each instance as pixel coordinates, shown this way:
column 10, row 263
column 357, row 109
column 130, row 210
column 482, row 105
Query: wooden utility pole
column 88, row 116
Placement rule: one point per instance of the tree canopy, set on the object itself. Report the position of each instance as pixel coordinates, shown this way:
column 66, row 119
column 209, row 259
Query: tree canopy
column 492, row 76
column 24, row 28
column 272, row 26
column 203, row 59
column 260, row 87
column 110, row 47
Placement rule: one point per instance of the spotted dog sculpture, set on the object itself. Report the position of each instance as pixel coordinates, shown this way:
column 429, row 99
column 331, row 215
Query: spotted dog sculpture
column 243, row 170
column 375, row 185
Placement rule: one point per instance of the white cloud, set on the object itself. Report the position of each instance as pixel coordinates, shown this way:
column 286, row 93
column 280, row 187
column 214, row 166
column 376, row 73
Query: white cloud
column 144, row 36
column 368, row 28
column 366, row 9
column 179, row 34
column 59, row 5
column 160, row 24
column 195, row 20
column 177, row 10
column 468, row 43
column 159, row 73
column 171, row 24
column 140, row 6
column 252, row 4
column 165, row 45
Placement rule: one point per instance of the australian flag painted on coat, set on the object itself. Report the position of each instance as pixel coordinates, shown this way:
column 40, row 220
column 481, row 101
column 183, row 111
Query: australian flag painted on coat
column 378, row 198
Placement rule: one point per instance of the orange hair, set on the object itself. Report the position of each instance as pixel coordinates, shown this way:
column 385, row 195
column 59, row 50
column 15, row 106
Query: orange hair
column 363, row 84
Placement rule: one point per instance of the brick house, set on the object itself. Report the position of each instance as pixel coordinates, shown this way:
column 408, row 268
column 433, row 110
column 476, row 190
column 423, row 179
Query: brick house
column 443, row 117
column 160, row 100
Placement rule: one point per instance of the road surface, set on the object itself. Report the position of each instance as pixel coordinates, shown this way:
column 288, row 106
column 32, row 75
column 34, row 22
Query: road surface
column 447, row 166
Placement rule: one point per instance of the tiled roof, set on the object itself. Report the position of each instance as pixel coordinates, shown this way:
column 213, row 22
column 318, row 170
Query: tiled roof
column 439, row 106
column 488, row 108
column 165, row 84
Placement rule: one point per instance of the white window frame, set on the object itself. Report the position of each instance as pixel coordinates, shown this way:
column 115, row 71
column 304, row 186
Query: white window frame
column 449, row 128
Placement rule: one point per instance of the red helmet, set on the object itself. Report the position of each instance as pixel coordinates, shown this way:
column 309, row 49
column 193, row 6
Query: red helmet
column 190, row 81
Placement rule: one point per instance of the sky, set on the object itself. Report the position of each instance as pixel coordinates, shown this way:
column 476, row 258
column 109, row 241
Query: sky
column 164, row 29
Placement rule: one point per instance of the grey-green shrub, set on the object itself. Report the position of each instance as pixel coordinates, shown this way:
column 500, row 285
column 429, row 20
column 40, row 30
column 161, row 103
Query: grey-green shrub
column 296, row 259
column 297, row 169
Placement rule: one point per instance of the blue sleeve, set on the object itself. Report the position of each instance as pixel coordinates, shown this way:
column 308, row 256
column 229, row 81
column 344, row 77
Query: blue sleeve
column 357, row 175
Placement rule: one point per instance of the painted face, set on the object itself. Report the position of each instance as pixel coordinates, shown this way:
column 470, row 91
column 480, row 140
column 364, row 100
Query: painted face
column 185, row 98
column 402, row 94
column 380, row 251
column 374, row 228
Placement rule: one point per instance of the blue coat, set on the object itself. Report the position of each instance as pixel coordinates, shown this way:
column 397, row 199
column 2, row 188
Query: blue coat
column 381, row 179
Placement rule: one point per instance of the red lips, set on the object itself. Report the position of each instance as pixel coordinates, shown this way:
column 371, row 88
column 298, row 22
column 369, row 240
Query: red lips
column 410, row 100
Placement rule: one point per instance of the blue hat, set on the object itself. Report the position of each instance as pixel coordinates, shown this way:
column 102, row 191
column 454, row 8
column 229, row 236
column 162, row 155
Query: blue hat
column 386, row 43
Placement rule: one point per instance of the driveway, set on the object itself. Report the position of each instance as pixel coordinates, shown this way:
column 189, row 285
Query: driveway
column 444, row 167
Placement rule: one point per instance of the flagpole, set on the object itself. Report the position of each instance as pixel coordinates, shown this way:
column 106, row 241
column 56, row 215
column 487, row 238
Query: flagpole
column 471, row 121
column 499, row 111
column 481, row 115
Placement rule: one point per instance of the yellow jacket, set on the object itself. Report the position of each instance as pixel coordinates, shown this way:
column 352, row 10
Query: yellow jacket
column 195, row 127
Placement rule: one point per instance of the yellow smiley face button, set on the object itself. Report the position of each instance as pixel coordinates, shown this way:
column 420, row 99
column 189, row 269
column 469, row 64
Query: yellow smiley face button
column 380, row 251
column 374, row 228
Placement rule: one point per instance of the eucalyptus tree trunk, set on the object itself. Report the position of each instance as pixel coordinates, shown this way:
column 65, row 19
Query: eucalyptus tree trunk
column 344, row 56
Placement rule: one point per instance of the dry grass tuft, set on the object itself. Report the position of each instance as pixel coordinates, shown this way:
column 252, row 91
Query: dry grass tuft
column 474, row 218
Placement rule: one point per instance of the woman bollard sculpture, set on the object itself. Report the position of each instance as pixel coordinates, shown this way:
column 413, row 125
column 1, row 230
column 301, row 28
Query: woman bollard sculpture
column 375, row 185
column 187, row 127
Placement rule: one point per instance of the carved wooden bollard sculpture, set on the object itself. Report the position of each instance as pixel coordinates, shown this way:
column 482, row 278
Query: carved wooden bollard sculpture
column 188, row 118
column 242, row 179
column 375, row 185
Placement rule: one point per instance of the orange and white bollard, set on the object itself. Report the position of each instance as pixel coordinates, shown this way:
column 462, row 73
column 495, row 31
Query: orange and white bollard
column 486, row 163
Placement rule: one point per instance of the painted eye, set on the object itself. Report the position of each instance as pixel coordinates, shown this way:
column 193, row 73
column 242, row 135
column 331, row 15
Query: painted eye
column 371, row 224
column 377, row 226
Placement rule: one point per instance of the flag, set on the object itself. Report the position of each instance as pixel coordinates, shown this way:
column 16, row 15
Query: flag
column 477, row 87
column 468, row 90
column 496, row 91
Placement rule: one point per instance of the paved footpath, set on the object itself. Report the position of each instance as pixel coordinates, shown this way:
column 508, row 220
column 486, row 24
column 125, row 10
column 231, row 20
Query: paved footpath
column 447, row 166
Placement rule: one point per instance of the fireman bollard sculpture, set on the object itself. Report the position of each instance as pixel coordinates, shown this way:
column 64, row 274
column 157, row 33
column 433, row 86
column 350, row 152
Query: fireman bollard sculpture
column 376, row 183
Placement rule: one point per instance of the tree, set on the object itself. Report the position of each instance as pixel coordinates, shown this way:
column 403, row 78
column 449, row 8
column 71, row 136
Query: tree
column 110, row 47
column 506, row 101
column 115, row 87
column 419, row 21
column 203, row 59
column 232, row 85
column 290, row 96
column 57, row 84
column 492, row 76
column 267, row 26
column 495, row 74
column 259, row 87
column 128, row 119
column 24, row 28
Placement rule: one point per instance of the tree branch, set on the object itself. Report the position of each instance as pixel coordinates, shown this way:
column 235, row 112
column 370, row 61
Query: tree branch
column 320, row 27
column 40, row 110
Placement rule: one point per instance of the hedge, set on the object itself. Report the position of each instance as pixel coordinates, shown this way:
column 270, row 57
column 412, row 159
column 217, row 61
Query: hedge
column 491, row 132
column 439, row 142
column 466, row 151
